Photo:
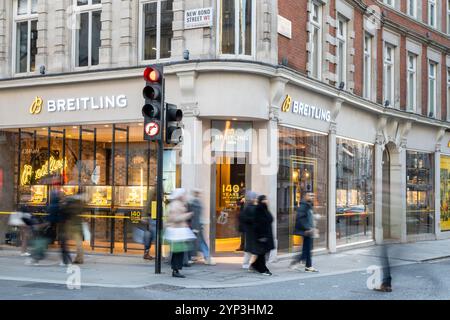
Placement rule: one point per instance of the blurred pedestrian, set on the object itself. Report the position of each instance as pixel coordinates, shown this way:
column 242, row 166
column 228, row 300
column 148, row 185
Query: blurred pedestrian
column 241, row 204
column 386, row 284
column 263, row 234
column 74, row 224
column 148, row 225
column 178, row 233
column 196, row 207
column 305, row 227
column 246, row 220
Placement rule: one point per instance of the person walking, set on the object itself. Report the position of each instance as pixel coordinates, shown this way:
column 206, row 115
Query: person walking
column 74, row 224
column 246, row 220
column 305, row 227
column 196, row 207
column 241, row 204
column 386, row 283
column 178, row 233
column 263, row 235
column 148, row 226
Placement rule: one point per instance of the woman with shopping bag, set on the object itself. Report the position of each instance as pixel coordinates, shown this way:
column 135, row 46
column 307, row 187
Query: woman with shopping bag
column 178, row 234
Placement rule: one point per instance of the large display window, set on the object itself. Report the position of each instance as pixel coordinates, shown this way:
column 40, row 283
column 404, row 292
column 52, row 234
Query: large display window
column 110, row 165
column 303, row 167
column 420, row 193
column 354, row 192
column 445, row 193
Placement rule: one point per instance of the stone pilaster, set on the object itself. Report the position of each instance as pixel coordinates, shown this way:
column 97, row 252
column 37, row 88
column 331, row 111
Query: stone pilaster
column 42, row 41
column 178, row 40
column 126, row 33
column 3, row 40
column 332, row 188
column 106, row 34
column 378, row 189
column 63, row 20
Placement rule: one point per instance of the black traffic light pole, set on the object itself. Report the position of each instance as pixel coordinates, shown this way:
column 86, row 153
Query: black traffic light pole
column 159, row 190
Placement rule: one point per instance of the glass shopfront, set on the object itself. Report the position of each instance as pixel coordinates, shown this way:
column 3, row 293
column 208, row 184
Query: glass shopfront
column 303, row 166
column 109, row 164
column 445, row 193
column 420, row 193
column 354, row 192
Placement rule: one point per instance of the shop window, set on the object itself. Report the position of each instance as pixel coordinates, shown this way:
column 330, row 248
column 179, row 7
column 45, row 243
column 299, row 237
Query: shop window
column 445, row 193
column 26, row 36
column 156, row 31
column 420, row 193
column 303, row 167
column 87, row 33
column 236, row 27
column 354, row 192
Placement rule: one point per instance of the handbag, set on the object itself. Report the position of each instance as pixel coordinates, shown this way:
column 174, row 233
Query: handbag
column 138, row 235
column 16, row 220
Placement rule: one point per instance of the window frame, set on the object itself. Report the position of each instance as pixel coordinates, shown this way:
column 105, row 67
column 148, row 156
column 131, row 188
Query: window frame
column 411, row 107
column 367, row 66
column 341, row 40
column 433, row 78
column 448, row 93
column 435, row 13
column 389, row 63
column 77, row 11
column 236, row 32
column 414, row 8
column 448, row 16
column 29, row 17
column 141, row 33
column 317, row 27
column 390, row 3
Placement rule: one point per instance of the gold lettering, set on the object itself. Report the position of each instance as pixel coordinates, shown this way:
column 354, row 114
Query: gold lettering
column 36, row 106
column 286, row 104
column 55, row 166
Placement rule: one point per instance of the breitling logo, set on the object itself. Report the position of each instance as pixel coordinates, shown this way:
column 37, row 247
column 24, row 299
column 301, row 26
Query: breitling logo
column 36, row 106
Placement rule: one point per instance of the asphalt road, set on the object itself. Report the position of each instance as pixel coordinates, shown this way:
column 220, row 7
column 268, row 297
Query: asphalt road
column 430, row 280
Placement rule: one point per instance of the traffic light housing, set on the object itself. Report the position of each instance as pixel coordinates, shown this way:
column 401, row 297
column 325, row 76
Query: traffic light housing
column 173, row 117
column 154, row 98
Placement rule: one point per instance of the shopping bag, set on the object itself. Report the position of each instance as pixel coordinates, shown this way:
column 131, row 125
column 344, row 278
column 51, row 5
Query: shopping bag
column 15, row 219
column 86, row 232
column 138, row 235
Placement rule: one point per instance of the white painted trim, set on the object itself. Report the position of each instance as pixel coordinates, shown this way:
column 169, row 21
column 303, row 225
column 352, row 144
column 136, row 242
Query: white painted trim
column 355, row 140
column 290, row 126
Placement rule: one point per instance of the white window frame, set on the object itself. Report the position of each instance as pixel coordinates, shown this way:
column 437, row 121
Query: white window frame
column 448, row 16
column 367, row 83
column 142, row 33
column 412, row 12
column 390, row 3
column 28, row 17
column 77, row 11
column 389, row 64
column 448, row 93
column 411, row 105
column 341, row 61
column 432, row 13
column 432, row 78
column 316, row 27
column 236, row 32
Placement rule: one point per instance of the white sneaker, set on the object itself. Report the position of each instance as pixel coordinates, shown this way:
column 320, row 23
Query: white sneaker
column 25, row 254
column 311, row 269
column 210, row 262
column 245, row 266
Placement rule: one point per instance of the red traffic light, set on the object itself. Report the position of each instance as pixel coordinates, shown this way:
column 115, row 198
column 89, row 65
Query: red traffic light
column 152, row 75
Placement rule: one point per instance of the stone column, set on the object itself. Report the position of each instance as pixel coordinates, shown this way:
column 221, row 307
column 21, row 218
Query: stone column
column 437, row 191
column 105, row 52
column 378, row 189
column 126, row 34
column 402, row 200
column 3, row 40
column 59, row 60
column 178, row 40
column 332, row 188
column 42, row 41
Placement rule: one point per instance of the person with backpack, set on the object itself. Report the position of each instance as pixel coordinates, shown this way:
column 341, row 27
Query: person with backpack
column 305, row 227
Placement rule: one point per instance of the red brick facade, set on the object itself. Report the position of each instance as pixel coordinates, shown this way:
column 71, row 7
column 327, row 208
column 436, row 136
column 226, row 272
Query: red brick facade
column 396, row 22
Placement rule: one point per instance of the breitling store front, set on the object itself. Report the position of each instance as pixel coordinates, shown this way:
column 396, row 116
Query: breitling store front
column 108, row 163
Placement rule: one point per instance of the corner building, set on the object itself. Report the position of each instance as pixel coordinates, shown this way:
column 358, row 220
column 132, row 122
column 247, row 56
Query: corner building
column 346, row 99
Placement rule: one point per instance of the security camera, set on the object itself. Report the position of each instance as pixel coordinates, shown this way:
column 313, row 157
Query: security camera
column 42, row 69
column 186, row 54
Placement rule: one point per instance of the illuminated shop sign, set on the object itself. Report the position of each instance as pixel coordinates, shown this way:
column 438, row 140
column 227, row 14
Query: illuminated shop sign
column 305, row 110
column 77, row 104
column 56, row 166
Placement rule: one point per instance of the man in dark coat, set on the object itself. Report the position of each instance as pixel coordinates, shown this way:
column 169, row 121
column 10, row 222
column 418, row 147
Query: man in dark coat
column 304, row 226
column 263, row 235
column 246, row 220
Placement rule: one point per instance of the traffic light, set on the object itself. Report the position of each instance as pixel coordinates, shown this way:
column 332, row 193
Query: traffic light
column 154, row 97
column 173, row 117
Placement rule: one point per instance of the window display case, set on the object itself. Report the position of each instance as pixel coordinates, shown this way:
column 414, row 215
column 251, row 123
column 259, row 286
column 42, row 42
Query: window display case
column 38, row 195
column 127, row 196
column 67, row 190
column 98, row 196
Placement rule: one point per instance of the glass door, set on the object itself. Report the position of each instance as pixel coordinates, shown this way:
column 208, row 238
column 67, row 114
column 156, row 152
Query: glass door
column 231, row 177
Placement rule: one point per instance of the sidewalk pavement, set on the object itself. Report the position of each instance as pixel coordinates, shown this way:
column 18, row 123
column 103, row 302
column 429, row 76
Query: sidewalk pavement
column 101, row 270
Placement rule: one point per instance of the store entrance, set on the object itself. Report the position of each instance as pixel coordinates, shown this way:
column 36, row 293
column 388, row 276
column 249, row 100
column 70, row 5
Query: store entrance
column 231, row 178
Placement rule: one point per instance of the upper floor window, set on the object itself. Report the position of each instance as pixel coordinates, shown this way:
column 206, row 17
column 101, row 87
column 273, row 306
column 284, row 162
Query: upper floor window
column 236, row 24
column 87, row 33
column 432, row 13
column 26, row 35
column 390, row 2
column 448, row 16
column 157, row 31
column 448, row 94
column 432, row 88
column 412, row 8
column 389, row 83
column 341, row 51
column 367, row 66
column 316, row 39
column 412, row 82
